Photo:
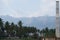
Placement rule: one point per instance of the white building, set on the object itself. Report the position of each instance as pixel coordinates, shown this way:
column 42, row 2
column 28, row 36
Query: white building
column 57, row 20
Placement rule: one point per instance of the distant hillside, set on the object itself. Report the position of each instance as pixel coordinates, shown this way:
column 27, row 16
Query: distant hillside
column 38, row 22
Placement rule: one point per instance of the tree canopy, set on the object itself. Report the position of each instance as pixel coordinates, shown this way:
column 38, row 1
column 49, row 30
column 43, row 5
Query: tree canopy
column 11, row 30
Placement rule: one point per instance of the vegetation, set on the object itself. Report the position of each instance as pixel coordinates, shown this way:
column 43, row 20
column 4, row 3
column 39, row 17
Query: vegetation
column 18, row 30
column 48, row 32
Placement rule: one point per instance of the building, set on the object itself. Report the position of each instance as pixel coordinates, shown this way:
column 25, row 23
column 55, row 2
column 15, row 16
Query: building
column 57, row 21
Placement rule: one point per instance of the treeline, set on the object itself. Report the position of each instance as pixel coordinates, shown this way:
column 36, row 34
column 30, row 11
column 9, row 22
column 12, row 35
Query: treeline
column 11, row 30
column 48, row 32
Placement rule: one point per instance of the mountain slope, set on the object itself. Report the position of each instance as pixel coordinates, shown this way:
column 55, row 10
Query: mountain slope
column 38, row 22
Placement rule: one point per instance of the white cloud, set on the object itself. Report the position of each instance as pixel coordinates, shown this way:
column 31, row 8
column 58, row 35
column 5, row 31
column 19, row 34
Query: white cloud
column 6, row 2
column 14, row 13
column 47, row 7
column 11, row 11
column 57, row 0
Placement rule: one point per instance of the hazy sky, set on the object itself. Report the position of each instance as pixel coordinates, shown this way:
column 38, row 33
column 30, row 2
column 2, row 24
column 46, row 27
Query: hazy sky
column 27, row 8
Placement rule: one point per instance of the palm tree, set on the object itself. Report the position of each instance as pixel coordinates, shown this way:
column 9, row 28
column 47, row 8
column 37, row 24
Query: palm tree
column 12, row 29
column 7, row 28
column 1, row 23
column 48, row 32
column 19, row 31
column 1, row 28
column 20, row 24
column 7, row 25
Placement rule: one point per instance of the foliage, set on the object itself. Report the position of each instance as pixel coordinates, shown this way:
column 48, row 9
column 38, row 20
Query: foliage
column 11, row 30
column 48, row 32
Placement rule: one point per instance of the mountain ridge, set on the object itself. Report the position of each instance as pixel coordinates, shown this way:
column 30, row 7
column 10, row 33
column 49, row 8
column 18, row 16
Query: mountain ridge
column 38, row 22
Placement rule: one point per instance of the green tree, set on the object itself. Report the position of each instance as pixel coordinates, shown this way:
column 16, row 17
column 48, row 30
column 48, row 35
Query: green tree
column 20, row 32
column 2, row 33
column 20, row 24
column 12, row 30
column 48, row 32
column 52, row 33
column 7, row 27
column 35, row 36
column 1, row 28
column 1, row 23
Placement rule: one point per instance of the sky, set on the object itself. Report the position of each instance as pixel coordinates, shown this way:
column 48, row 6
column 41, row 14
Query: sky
column 27, row 8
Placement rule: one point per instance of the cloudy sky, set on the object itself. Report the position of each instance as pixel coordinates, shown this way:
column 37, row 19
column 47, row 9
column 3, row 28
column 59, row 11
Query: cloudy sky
column 27, row 8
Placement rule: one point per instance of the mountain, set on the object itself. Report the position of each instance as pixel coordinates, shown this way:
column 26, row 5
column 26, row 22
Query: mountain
column 38, row 22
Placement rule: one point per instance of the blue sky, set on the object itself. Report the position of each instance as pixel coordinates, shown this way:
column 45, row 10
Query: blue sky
column 27, row 8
